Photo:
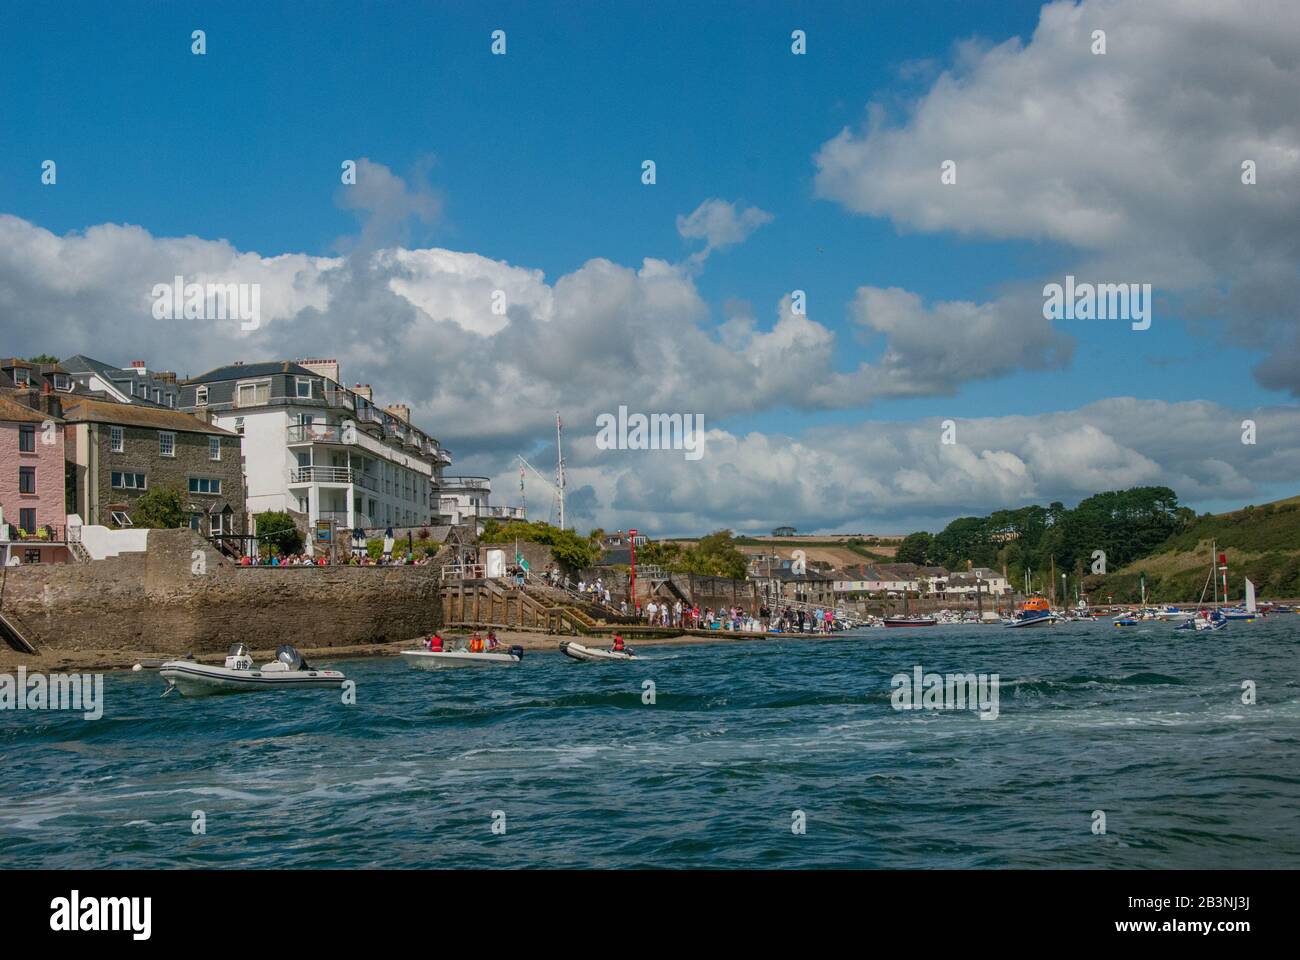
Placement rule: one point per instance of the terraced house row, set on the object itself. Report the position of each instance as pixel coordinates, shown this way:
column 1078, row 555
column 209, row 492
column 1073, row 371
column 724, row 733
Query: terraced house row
column 81, row 441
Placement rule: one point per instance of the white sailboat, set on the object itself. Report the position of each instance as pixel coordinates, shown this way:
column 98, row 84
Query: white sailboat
column 1249, row 611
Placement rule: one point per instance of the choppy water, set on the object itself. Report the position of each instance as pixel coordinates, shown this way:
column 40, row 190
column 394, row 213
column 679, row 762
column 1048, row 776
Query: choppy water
column 1145, row 724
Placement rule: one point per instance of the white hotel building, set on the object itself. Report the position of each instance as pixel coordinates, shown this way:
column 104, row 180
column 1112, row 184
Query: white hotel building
column 315, row 448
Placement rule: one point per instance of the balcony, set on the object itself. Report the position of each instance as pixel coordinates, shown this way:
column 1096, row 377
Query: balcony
column 336, row 397
column 315, row 433
column 322, row 475
column 44, row 533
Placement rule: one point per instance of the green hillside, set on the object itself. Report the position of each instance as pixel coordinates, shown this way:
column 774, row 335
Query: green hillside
column 1261, row 542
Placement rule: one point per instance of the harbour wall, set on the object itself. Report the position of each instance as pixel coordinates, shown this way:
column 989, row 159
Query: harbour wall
column 181, row 596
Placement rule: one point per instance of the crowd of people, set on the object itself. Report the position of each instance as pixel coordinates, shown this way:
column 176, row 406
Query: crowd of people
column 690, row 616
column 323, row 560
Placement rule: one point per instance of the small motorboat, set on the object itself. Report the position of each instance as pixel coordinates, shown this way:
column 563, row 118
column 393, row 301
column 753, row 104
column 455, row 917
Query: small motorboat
column 287, row 671
column 1126, row 621
column 910, row 621
column 1213, row 620
column 578, row 652
column 445, row 659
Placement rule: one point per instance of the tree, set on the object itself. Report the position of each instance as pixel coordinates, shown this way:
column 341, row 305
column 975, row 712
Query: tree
column 566, row 546
column 717, row 556
column 915, row 548
column 162, row 508
column 277, row 529
column 43, row 358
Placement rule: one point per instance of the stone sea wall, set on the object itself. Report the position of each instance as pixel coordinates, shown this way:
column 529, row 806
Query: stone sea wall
column 170, row 600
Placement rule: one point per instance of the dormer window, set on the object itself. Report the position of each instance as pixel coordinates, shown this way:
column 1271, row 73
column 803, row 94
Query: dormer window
column 22, row 376
column 302, row 388
column 201, row 396
column 62, row 382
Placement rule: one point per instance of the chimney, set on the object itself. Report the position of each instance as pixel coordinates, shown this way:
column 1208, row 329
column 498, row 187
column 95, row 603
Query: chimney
column 139, row 367
column 166, row 376
column 401, row 411
column 329, row 369
column 364, row 392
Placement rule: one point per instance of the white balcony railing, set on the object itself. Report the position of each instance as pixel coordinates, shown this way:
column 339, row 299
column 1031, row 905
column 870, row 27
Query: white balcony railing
column 315, row 433
column 321, row 475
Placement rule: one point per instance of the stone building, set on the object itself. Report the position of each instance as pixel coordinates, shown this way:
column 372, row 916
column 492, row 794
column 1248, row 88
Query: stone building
column 117, row 452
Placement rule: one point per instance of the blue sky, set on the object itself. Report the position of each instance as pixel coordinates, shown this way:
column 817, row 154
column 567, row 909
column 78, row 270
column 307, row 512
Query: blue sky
column 535, row 158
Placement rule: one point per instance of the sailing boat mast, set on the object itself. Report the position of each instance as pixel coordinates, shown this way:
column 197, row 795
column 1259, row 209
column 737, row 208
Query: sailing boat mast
column 559, row 467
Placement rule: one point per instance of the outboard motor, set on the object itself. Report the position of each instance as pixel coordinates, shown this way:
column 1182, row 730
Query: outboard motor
column 291, row 658
column 518, row 651
column 238, row 657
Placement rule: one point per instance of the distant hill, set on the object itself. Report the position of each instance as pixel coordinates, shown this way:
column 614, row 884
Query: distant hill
column 1261, row 542
column 837, row 550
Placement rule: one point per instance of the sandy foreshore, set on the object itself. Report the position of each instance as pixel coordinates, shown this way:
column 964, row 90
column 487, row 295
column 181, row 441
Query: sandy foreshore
column 53, row 661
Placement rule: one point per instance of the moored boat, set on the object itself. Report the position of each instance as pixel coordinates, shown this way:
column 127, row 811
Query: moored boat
column 910, row 621
column 1034, row 612
column 238, row 675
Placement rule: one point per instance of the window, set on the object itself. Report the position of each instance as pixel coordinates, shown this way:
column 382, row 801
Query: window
column 27, row 519
column 195, row 520
column 302, row 387
column 121, row 519
column 143, row 391
column 214, row 448
column 171, row 399
column 22, row 376
column 201, row 396
column 128, row 481
column 157, row 395
column 27, row 438
column 205, row 485
column 255, row 394
column 31, row 556
column 166, row 443
column 26, row 479
column 239, row 425
column 217, row 528
column 62, row 382
column 116, row 440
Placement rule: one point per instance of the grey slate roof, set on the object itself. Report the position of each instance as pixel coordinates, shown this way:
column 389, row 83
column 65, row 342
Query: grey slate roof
column 242, row 371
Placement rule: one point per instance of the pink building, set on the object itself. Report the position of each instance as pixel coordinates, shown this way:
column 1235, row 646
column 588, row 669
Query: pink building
column 32, row 502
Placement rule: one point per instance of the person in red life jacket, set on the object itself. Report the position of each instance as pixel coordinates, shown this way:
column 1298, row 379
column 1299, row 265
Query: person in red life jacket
column 618, row 644
column 435, row 643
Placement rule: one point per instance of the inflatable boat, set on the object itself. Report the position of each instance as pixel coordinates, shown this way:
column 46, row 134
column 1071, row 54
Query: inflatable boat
column 578, row 652
column 238, row 675
column 443, row 659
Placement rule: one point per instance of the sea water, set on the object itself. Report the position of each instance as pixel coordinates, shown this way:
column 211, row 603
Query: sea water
column 778, row 753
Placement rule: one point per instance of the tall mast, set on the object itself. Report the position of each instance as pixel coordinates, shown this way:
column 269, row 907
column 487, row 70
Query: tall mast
column 559, row 467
